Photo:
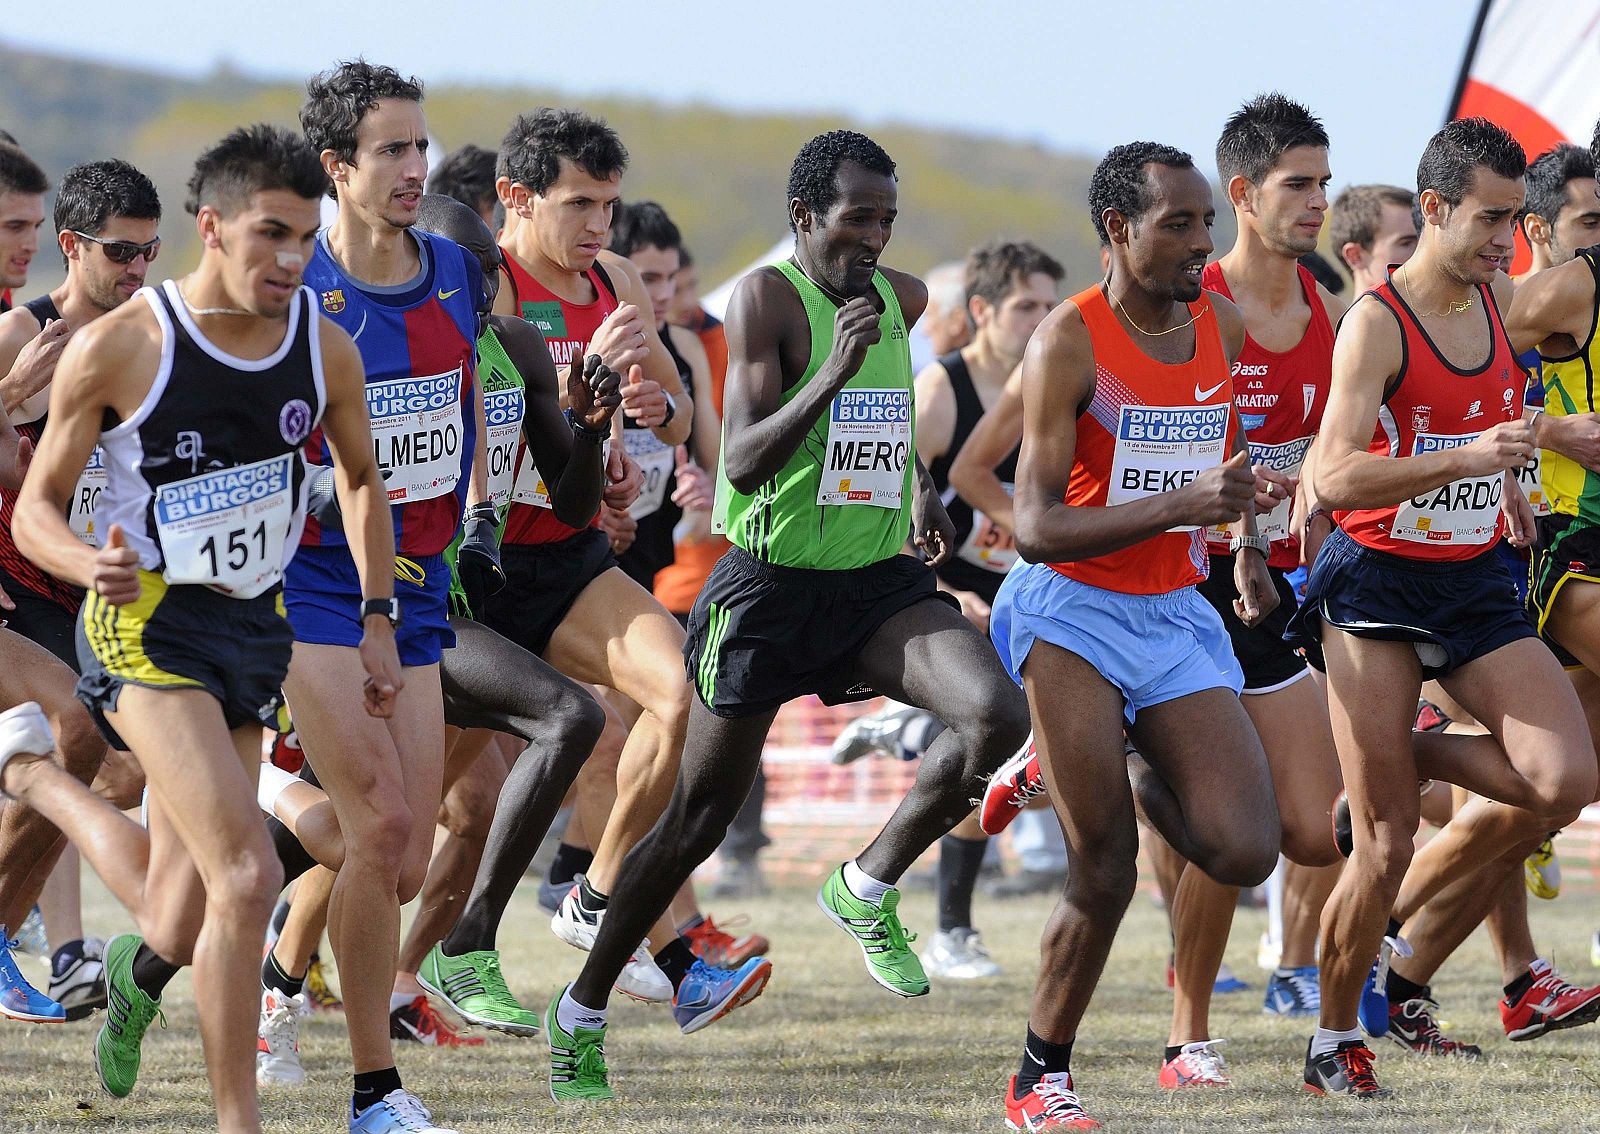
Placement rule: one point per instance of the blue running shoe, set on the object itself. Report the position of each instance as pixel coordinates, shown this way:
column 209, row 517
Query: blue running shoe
column 398, row 1112
column 20, row 1000
column 707, row 994
column 1373, row 1010
column 1227, row 982
column 1293, row 992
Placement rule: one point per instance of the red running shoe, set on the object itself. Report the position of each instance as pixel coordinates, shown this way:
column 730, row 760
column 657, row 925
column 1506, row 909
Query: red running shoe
column 420, row 1022
column 1196, row 1065
column 1346, row 1070
column 721, row 949
column 1548, row 1005
column 1050, row 1104
column 1013, row 784
column 287, row 753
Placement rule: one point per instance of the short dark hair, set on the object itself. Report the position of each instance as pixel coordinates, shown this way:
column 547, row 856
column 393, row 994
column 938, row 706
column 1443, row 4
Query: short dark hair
column 250, row 160
column 993, row 269
column 337, row 100
column 1453, row 155
column 467, row 174
column 532, row 149
column 643, row 224
column 8, row 138
column 19, row 173
column 1358, row 211
column 1260, row 132
column 1120, row 181
column 93, row 193
column 813, row 176
column 1548, row 175
column 684, row 259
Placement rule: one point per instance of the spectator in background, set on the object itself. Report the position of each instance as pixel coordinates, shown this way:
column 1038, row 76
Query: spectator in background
column 946, row 322
column 1371, row 227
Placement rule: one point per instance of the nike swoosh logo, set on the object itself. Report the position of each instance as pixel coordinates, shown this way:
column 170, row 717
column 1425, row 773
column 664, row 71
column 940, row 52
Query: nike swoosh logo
column 1033, row 1057
column 443, row 294
column 1199, row 395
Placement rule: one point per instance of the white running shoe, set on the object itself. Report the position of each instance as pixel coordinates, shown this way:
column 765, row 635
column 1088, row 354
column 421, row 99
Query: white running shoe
column 398, row 1112
column 958, row 955
column 641, row 977
column 278, row 1041
column 80, row 988
column 876, row 733
column 24, row 731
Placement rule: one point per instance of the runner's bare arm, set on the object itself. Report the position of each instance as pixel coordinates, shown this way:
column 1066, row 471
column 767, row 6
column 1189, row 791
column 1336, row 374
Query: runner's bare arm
column 936, row 413
column 363, row 503
column 478, row 477
column 705, row 439
column 28, row 355
column 657, row 365
column 1558, row 301
column 997, row 433
column 910, row 292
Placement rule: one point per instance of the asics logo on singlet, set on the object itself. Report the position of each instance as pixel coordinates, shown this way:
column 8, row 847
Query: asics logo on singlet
column 443, row 294
column 1202, row 395
column 1250, row 370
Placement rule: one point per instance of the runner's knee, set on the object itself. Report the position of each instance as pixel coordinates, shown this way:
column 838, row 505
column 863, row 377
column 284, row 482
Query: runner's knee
column 577, row 723
column 378, row 833
column 1101, row 885
column 1246, row 858
column 468, row 807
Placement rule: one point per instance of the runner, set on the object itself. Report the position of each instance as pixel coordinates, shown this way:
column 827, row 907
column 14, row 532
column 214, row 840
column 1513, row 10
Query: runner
column 467, row 174
column 820, row 337
column 183, row 639
column 22, row 189
column 1372, row 228
column 413, row 298
column 1128, row 381
column 1417, row 454
column 946, row 322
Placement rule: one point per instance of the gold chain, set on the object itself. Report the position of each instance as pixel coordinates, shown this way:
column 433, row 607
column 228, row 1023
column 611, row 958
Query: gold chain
column 1455, row 307
column 1141, row 330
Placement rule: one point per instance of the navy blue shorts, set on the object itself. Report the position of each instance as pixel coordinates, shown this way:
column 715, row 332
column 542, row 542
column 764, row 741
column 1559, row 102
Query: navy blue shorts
column 322, row 594
column 1453, row 612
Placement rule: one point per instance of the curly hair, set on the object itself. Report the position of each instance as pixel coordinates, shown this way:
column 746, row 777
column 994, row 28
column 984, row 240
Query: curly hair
column 1120, row 182
column 813, row 176
column 337, row 100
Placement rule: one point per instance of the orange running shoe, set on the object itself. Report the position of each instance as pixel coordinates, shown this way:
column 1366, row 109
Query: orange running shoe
column 721, row 949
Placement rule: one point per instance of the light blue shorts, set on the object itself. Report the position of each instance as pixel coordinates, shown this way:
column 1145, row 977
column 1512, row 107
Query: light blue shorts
column 1153, row 648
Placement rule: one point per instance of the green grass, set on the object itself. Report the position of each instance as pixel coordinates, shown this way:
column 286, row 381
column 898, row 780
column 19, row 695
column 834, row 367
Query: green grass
column 826, row 1050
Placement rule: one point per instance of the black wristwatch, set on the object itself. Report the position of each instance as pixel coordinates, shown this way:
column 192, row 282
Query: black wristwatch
column 583, row 432
column 388, row 607
column 672, row 409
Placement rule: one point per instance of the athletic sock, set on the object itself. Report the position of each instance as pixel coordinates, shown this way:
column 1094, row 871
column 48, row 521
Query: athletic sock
column 1327, row 1040
column 371, row 1086
column 1393, row 929
column 957, row 876
column 150, row 972
column 273, row 977
column 864, row 885
column 65, row 957
column 676, row 960
column 1400, row 989
column 1516, row 988
column 570, row 1015
column 569, row 862
column 1171, row 1052
column 295, row 858
column 273, row 782
column 398, row 1000
column 1040, row 1058
column 592, row 900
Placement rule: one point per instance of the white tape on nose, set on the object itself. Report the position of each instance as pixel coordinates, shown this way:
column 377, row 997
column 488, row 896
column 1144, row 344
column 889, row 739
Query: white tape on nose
column 291, row 260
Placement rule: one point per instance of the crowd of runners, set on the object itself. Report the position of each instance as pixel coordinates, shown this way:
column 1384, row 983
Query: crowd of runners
column 460, row 511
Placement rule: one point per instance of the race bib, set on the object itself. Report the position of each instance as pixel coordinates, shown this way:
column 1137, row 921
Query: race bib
column 657, row 460
column 1162, row 448
column 503, row 410
column 227, row 529
column 1465, row 511
column 530, row 487
column 868, row 449
column 416, row 434
column 86, row 498
column 1286, row 458
column 1531, row 477
column 988, row 545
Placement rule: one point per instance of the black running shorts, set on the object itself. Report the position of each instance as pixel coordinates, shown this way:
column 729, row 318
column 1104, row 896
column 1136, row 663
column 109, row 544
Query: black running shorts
column 543, row 580
column 41, row 620
column 1568, row 550
column 1269, row 663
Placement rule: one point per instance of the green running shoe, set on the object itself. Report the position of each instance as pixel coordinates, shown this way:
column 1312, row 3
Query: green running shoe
column 885, row 944
column 577, row 1059
column 476, row 991
column 128, row 1014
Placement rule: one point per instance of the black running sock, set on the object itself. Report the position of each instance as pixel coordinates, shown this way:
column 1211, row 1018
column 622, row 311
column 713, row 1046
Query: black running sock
column 1394, row 928
column 676, row 960
column 371, row 1086
column 1400, row 989
column 591, row 899
column 295, row 858
column 1041, row 1058
column 151, row 973
column 65, row 957
column 280, row 916
column 957, row 876
column 569, row 862
column 1516, row 988
column 273, row 977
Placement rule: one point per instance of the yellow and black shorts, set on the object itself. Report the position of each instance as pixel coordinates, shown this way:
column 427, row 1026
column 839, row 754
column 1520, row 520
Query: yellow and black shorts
column 185, row 637
column 1568, row 550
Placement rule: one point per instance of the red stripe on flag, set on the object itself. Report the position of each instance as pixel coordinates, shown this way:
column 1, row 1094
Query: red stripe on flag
column 1527, row 125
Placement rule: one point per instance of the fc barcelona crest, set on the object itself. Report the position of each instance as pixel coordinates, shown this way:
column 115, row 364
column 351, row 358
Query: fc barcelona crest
column 333, row 301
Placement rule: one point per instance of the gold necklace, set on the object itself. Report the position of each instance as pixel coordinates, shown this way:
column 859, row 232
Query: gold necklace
column 1455, row 307
column 1141, row 330
column 198, row 311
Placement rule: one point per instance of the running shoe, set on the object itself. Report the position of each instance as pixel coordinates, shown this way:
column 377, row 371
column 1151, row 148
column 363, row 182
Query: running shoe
column 287, row 753
column 1197, row 1064
column 398, row 1112
column 876, row 734
column 885, row 945
column 707, row 994
column 19, row 1000
column 641, row 978
column 959, row 954
column 1346, row 1070
column 278, row 1041
column 1414, row 1027
column 577, row 1059
column 1541, row 871
column 720, row 949
column 77, row 978
column 320, row 995
column 1228, row 982
column 1050, row 1104
column 1548, row 1005
column 1293, row 992
column 551, row 893
column 129, row 1012
column 419, row 1021
column 1013, row 784
column 1430, row 718
column 31, row 937
column 475, row 989
column 1372, row 1011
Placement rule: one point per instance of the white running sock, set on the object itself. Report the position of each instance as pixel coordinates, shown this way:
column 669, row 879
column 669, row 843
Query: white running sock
column 1325, row 1040
column 571, row 1015
column 272, row 783
column 864, row 885
column 399, row 1000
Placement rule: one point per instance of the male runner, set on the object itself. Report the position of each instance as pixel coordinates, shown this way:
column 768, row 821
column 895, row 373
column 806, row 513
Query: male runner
column 1126, row 458
column 22, row 189
column 1371, row 228
column 106, row 216
column 201, row 395
column 410, row 301
column 819, row 485
column 1420, row 441
column 467, row 174
column 946, row 322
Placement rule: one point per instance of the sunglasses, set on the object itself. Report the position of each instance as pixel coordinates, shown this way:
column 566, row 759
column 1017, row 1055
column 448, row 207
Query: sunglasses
column 122, row 251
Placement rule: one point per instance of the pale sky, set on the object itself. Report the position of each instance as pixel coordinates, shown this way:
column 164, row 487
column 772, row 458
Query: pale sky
column 1070, row 75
